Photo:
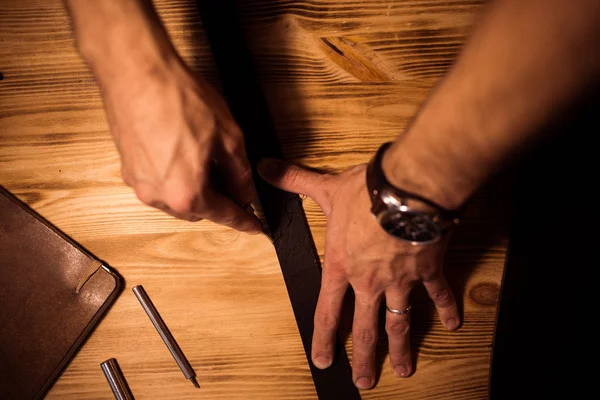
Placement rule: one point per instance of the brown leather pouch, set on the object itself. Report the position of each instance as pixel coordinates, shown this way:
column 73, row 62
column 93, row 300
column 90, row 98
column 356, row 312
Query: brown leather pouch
column 52, row 294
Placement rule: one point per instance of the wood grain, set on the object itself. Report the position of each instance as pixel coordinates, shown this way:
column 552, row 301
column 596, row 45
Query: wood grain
column 340, row 77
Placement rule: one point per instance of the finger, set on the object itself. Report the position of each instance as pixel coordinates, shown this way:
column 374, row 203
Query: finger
column 190, row 199
column 233, row 163
column 444, row 301
column 149, row 195
column 224, row 211
column 398, row 331
column 327, row 316
column 364, row 340
column 295, row 179
column 167, row 210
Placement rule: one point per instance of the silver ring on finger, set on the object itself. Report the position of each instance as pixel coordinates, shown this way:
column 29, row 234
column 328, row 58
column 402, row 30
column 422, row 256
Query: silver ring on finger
column 398, row 312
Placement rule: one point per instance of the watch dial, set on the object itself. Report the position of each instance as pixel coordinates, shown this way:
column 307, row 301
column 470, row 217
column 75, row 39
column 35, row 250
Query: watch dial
column 417, row 228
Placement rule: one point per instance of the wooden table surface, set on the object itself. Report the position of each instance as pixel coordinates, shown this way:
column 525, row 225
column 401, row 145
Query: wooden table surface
column 341, row 77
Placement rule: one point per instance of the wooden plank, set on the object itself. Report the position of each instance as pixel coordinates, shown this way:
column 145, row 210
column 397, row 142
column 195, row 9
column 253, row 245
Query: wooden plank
column 221, row 292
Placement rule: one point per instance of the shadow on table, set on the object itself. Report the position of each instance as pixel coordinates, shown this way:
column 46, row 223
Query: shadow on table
column 549, row 296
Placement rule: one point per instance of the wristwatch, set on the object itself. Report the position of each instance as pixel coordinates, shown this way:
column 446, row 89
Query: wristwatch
column 404, row 215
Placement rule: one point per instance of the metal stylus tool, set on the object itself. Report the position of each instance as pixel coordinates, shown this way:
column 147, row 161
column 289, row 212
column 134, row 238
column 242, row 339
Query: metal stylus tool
column 164, row 333
column 116, row 380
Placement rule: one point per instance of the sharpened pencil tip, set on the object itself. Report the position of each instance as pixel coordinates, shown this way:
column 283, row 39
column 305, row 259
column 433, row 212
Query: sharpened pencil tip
column 195, row 382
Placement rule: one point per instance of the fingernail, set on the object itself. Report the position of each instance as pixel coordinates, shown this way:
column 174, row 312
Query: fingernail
column 451, row 324
column 322, row 362
column 401, row 371
column 363, row 383
column 270, row 168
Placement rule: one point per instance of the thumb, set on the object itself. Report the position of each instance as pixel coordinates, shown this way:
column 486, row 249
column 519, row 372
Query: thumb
column 295, row 179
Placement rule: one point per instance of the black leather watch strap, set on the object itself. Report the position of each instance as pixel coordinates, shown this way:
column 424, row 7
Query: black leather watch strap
column 376, row 181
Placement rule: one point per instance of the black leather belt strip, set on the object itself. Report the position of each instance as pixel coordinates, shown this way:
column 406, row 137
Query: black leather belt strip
column 285, row 216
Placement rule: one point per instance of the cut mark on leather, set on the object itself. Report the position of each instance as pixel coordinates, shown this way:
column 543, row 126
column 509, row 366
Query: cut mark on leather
column 91, row 270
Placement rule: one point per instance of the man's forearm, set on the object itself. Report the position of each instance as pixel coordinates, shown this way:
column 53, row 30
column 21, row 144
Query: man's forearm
column 526, row 61
column 120, row 39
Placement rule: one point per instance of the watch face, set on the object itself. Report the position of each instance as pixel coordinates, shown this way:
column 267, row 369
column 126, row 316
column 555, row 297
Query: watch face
column 413, row 227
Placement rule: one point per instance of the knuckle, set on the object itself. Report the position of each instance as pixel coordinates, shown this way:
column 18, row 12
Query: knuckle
column 209, row 123
column 181, row 202
column 333, row 258
column 292, row 176
column 233, row 220
column 443, row 298
column 366, row 337
column 335, row 270
column 397, row 328
column 367, row 285
column 206, row 128
column 325, row 348
column 325, row 320
column 234, row 144
column 429, row 274
column 362, row 365
column 143, row 194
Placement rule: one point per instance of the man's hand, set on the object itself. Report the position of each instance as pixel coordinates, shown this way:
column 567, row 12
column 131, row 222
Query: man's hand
column 171, row 129
column 359, row 253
